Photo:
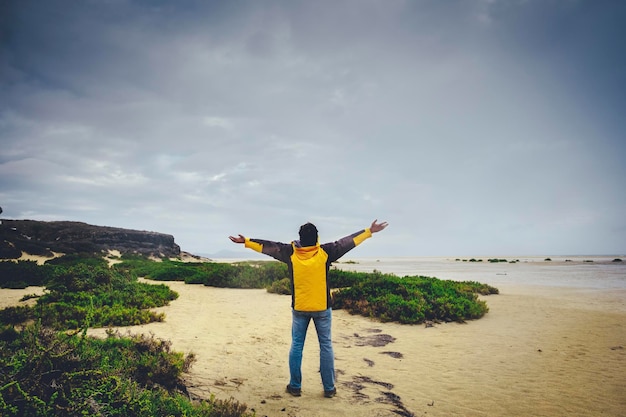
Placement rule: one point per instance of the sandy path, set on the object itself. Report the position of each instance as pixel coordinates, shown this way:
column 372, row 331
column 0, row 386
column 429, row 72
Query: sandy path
column 538, row 352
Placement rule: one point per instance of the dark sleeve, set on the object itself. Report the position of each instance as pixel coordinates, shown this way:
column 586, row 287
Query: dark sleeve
column 277, row 250
column 337, row 249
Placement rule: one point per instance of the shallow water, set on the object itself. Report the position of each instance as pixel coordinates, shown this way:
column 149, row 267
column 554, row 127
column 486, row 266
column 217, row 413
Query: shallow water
column 589, row 272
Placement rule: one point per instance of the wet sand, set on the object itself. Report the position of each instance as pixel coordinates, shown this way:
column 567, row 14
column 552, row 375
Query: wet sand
column 540, row 351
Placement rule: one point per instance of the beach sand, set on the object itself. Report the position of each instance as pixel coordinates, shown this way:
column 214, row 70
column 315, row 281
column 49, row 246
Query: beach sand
column 540, row 351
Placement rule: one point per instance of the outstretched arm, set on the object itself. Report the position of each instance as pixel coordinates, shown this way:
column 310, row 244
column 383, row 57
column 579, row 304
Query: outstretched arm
column 339, row 248
column 376, row 227
column 277, row 250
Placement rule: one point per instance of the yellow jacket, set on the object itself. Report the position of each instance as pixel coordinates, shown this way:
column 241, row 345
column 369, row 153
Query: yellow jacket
column 308, row 266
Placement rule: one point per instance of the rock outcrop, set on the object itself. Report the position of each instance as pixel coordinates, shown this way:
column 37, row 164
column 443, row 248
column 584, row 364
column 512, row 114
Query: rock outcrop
column 42, row 238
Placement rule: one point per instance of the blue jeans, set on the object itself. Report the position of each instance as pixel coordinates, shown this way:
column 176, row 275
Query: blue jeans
column 299, row 326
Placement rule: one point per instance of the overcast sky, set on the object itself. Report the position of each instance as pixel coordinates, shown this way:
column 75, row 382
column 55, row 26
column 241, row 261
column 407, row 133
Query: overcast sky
column 474, row 127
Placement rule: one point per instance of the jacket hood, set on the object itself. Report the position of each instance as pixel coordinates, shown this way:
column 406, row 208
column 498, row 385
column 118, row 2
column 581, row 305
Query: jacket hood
column 305, row 252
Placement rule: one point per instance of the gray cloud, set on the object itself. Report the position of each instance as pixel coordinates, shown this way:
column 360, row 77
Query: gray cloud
column 473, row 127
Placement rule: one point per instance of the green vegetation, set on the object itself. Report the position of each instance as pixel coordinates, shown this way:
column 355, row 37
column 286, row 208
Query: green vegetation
column 411, row 300
column 49, row 367
column 282, row 286
column 47, row 374
column 496, row 260
column 84, row 291
column 341, row 279
column 408, row 300
column 89, row 294
column 22, row 274
column 238, row 275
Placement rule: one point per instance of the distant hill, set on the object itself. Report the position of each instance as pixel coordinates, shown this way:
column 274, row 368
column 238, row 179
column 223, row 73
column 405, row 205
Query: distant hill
column 42, row 238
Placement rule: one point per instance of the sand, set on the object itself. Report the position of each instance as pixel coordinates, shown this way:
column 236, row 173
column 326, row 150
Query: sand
column 540, row 351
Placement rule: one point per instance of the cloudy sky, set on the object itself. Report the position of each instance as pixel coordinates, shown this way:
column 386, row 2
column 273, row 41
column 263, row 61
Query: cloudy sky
column 474, row 127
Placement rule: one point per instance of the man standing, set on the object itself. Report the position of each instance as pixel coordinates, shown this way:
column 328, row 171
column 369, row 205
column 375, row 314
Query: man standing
column 308, row 263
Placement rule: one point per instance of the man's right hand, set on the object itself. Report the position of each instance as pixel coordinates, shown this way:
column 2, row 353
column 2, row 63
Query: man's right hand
column 238, row 239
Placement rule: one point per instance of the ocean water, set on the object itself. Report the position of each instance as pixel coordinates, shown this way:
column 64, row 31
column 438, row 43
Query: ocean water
column 583, row 272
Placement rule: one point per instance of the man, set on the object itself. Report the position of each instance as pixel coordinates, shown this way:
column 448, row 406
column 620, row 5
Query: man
column 308, row 263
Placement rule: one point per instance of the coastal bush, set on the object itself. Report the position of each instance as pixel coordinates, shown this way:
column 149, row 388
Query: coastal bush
column 243, row 274
column 22, row 274
column 282, row 286
column 73, row 259
column 237, row 275
column 48, row 373
column 270, row 271
column 16, row 315
column 220, row 275
column 101, row 297
column 339, row 278
column 45, row 373
column 95, row 296
column 413, row 299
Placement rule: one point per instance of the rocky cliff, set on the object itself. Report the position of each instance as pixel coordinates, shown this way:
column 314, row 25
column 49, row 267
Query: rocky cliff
column 42, row 238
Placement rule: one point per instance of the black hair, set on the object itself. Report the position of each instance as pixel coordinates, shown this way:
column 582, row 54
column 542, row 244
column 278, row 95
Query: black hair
column 308, row 234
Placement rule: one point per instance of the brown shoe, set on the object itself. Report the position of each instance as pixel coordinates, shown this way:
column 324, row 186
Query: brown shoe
column 296, row 392
column 331, row 393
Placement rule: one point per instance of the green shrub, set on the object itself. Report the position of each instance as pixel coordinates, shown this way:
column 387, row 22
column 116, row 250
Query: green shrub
column 16, row 315
column 120, row 307
column 413, row 299
column 282, row 286
column 45, row 373
column 22, row 274
column 339, row 278
column 74, row 259
column 214, row 274
column 87, row 295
